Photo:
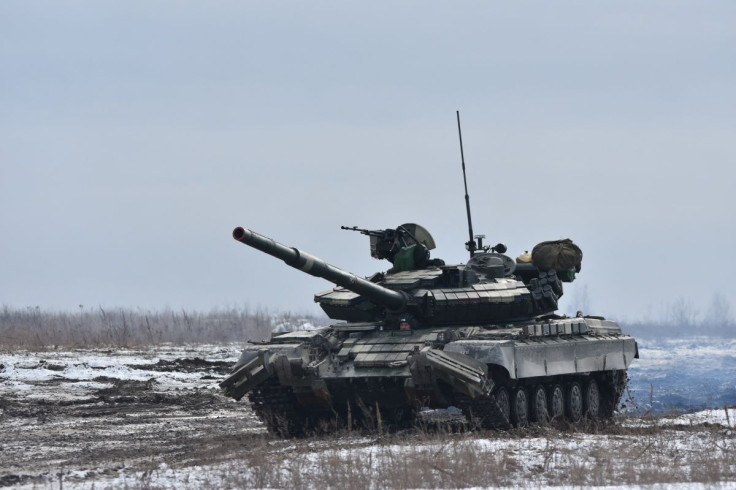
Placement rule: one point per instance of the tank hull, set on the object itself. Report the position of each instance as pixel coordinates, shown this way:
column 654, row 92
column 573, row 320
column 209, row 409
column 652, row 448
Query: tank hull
column 499, row 376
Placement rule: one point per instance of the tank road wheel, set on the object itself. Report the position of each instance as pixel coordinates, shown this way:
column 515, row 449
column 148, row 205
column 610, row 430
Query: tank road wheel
column 574, row 402
column 556, row 409
column 503, row 403
column 539, row 405
column 520, row 408
column 592, row 400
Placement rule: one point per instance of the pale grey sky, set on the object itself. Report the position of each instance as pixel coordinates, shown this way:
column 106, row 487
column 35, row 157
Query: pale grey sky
column 135, row 135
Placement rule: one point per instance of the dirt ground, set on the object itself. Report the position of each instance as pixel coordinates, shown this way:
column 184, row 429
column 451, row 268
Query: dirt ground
column 58, row 425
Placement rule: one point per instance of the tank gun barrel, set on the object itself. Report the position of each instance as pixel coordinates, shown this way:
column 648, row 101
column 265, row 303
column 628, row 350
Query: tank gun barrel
column 317, row 267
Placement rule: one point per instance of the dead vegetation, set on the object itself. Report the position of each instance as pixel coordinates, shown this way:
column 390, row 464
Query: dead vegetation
column 653, row 453
column 34, row 328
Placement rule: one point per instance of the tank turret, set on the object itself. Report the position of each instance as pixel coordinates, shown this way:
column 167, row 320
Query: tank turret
column 486, row 290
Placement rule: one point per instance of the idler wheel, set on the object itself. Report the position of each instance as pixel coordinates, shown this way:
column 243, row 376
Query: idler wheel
column 556, row 403
column 575, row 402
column 539, row 405
column 593, row 400
column 520, row 408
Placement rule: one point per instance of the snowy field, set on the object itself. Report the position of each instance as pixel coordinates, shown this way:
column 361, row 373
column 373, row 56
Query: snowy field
column 683, row 375
column 154, row 418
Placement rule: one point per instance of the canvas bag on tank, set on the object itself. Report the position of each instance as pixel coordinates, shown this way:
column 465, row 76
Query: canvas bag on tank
column 559, row 255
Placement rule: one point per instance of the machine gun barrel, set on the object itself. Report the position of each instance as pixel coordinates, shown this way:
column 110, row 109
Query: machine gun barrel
column 310, row 264
column 364, row 231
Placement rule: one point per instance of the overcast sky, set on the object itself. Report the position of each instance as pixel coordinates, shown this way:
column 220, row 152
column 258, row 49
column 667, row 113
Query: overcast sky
column 134, row 136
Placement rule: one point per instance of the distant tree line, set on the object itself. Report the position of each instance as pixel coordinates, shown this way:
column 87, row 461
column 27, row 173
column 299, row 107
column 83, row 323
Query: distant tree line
column 682, row 318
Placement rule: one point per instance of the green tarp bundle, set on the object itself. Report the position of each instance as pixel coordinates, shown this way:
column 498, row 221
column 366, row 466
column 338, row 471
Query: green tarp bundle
column 558, row 255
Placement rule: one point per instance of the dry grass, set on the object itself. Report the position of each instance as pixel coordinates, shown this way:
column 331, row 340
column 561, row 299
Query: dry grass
column 653, row 453
column 33, row 328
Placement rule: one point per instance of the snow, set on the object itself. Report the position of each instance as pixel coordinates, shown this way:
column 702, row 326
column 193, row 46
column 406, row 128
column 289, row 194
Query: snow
column 683, row 374
column 533, row 454
column 24, row 369
column 725, row 417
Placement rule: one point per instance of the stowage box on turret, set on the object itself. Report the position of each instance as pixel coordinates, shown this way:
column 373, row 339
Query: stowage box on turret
column 481, row 336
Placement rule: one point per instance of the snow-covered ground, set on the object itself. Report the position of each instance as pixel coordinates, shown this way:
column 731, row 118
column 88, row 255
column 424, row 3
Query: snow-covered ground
column 71, row 374
column 684, row 374
column 155, row 418
column 528, row 461
column 510, row 461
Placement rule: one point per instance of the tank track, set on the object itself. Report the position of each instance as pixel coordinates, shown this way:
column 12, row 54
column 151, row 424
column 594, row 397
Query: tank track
column 276, row 406
column 614, row 386
column 485, row 411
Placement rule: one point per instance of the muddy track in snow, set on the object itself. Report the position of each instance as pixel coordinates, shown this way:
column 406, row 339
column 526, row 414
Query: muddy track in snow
column 119, row 423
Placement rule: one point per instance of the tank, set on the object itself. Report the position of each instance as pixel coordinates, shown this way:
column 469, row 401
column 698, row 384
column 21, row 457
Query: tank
column 483, row 337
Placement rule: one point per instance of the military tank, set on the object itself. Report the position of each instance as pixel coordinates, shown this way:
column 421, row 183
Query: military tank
column 481, row 336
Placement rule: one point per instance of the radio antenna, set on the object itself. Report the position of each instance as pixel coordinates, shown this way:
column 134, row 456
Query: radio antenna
column 470, row 245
